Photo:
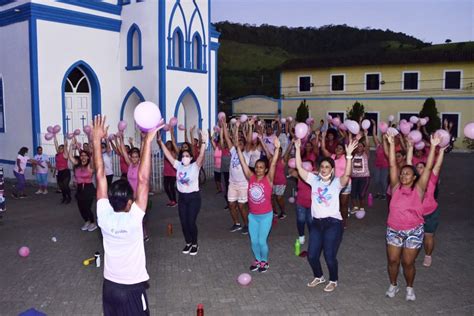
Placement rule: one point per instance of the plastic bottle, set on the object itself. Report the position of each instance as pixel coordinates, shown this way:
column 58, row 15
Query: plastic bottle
column 200, row 310
column 370, row 200
column 297, row 247
column 97, row 259
column 170, row 229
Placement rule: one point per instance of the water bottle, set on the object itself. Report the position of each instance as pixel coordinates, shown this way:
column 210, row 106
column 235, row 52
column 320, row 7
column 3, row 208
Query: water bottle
column 97, row 259
column 200, row 310
column 370, row 200
column 297, row 247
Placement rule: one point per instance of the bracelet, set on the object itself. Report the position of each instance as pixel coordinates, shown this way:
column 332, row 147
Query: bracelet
column 349, row 157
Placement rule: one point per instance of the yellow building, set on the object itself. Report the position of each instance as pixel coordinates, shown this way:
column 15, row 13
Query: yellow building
column 385, row 84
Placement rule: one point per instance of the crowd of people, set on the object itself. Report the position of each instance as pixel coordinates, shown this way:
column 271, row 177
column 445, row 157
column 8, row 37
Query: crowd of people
column 253, row 161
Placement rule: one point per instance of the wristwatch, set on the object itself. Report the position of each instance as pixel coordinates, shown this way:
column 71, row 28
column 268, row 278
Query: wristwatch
column 349, row 157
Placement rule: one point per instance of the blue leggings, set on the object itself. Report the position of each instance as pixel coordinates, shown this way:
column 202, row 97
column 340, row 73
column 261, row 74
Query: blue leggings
column 259, row 228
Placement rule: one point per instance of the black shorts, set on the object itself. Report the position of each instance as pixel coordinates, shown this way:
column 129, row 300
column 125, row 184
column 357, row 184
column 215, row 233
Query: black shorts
column 124, row 299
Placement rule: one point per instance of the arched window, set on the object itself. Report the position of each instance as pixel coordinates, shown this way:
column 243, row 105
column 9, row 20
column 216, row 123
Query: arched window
column 134, row 48
column 197, row 52
column 178, row 49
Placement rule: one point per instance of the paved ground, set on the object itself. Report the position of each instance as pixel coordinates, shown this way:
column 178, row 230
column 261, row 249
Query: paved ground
column 53, row 280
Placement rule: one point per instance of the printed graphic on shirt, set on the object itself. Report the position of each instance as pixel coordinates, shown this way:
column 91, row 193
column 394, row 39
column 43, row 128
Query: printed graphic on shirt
column 357, row 164
column 183, row 178
column 235, row 161
column 322, row 196
column 257, row 194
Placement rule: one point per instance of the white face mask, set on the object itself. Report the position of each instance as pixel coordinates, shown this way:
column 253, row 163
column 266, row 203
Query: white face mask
column 186, row 160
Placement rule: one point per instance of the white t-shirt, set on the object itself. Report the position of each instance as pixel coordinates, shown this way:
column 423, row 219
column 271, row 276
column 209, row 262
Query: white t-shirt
column 236, row 173
column 125, row 261
column 42, row 166
column 23, row 161
column 107, row 163
column 324, row 197
column 254, row 155
column 187, row 177
column 268, row 140
column 284, row 142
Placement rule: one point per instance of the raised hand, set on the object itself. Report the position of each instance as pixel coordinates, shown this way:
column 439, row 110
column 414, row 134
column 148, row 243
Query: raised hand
column 276, row 142
column 351, row 147
column 435, row 140
column 99, row 130
column 390, row 139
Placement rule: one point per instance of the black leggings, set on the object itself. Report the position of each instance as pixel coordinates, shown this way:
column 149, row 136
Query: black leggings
column 85, row 196
column 189, row 206
column 170, row 183
column 226, row 184
column 63, row 178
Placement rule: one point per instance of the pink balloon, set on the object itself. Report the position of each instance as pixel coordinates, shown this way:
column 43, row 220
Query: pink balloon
column 217, row 129
column 181, row 127
column 414, row 136
column 56, row 129
column 49, row 136
column 353, row 127
column 414, row 119
column 147, row 115
column 254, row 117
column 360, row 214
column 292, row 163
column 234, row 120
column 392, row 131
column 336, row 121
column 445, row 137
column 403, row 121
column 411, row 125
column 77, row 132
column 309, row 120
column 301, row 130
column 420, row 145
column 283, row 120
column 329, row 117
column 243, row 118
column 365, row 124
column 122, row 125
column 383, row 126
column 289, row 118
column 173, row 122
column 87, row 129
column 308, row 166
column 78, row 145
column 166, row 127
column 112, row 137
column 427, row 119
column 254, row 136
column 404, row 128
column 50, row 129
column 342, row 127
column 291, row 200
column 244, row 279
column 423, row 121
column 70, row 135
column 221, row 116
column 469, row 130
column 391, row 118
column 24, row 251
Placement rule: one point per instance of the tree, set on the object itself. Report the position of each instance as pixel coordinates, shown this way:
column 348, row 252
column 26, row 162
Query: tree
column 302, row 113
column 356, row 113
column 429, row 110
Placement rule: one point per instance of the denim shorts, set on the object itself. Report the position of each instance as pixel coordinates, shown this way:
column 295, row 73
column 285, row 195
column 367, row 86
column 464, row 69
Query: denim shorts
column 411, row 239
column 432, row 221
column 347, row 189
column 279, row 189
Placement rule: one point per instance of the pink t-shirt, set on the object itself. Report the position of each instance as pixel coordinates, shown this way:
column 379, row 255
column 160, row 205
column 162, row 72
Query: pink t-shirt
column 168, row 169
column 61, row 162
column 304, row 194
column 217, row 157
column 259, row 195
column 83, row 175
column 132, row 176
column 339, row 164
column 429, row 202
column 123, row 165
column 415, row 160
column 406, row 209
column 381, row 160
column 280, row 178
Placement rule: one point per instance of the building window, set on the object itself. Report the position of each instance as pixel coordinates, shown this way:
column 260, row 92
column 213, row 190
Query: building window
column 411, row 80
column 452, row 79
column 341, row 115
column 124, row 2
column 197, row 52
column 372, row 116
column 178, row 49
column 372, row 82
column 304, row 84
column 338, row 82
column 134, row 48
column 2, row 108
column 453, row 119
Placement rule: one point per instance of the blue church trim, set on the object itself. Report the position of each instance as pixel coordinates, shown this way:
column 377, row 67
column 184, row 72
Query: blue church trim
column 209, row 117
column 203, row 36
column 5, row 2
column 125, row 99
column 95, row 5
column 48, row 13
column 95, row 90
column 130, row 49
column 162, row 60
column 378, row 98
column 35, row 111
column 196, row 65
column 185, row 92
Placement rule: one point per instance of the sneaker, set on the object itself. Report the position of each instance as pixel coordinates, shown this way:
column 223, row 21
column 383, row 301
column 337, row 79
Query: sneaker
column 146, row 238
column 275, row 214
column 245, row 230
column 173, row 204
column 255, row 266
column 235, row 228
column 92, row 227
column 383, row 196
column 169, row 203
column 427, row 261
column 263, row 267
column 85, row 226
column 226, row 207
column 45, row 192
column 282, row 215
column 316, row 282
column 194, row 250
column 410, row 294
column 354, row 210
column 392, row 290
column 331, row 286
column 39, row 192
column 186, row 249
column 15, row 196
column 301, row 240
column 22, row 196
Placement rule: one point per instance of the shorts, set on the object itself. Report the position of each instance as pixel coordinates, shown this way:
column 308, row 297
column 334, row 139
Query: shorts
column 124, row 299
column 237, row 192
column 411, row 239
column 432, row 222
column 42, row 179
column 279, row 189
column 347, row 189
column 217, row 176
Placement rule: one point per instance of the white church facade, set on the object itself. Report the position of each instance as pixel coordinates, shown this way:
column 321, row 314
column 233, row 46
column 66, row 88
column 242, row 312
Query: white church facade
column 64, row 61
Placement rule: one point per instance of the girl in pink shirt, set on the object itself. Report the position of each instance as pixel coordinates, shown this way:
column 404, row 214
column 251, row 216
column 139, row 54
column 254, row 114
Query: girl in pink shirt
column 217, row 161
column 381, row 166
column 405, row 232
column 260, row 204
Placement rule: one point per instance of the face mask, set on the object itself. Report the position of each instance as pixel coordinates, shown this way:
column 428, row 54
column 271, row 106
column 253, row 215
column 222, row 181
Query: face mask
column 186, row 160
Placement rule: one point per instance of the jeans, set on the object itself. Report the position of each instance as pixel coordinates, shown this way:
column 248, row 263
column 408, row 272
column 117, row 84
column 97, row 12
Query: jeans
column 303, row 216
column 325, row 235
column 360, row 185
column 381, row 182
column 189, row 205
column 169, row 184
column 63, row 178
column 259, row 228
column 20, row 177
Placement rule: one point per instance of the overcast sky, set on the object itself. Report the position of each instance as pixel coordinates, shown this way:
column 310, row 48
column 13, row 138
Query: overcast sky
column 428, row 20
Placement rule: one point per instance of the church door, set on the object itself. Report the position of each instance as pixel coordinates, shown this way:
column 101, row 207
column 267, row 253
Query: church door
column 77, row 101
